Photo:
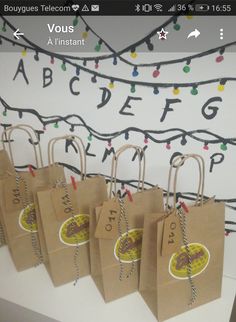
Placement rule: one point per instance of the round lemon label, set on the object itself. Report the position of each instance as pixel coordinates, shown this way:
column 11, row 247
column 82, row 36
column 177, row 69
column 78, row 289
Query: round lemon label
column 128, row 247
column 75, row 231
column 27, row 218
column 178, row 263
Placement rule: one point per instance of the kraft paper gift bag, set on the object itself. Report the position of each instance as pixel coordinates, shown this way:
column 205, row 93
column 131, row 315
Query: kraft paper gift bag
column 64, row 212
column 18, row 208
column 182, row 254
column 116, row 234
column 5, row 168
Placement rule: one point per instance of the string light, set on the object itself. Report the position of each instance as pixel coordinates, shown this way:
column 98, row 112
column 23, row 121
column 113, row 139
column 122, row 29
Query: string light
column 133, row 53
column 4, row 29
column 63, row 66
column 176, row 91
column 221, row 86
column 85, row 33
column 220, row 58
column 168, row 146
column 109, row 143
column 132, row 89
column 24, row 52
column 135, row 72
column 72, row 128
column 206, row 147
column 111, row 84
column 149, row 44
column 52, row 61
column 90, row 137
column 187, row 68
column 4, row 113
column 146, row 139
column 194, row 90
column 0, row 41
column 56, row 125
column 126, row 135
column 183, row 141
column 94, row 79
column 156, row 72
column 96, row 63
column 177, row 26
column 77, row 70
column 75, row 21
column 98, row 45
column 223, row 147
column 155, row 90
column 36, row 56
column 114, row 61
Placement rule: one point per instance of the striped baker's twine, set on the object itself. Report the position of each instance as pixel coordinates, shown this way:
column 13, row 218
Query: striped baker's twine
column 26, row 202
column 182, row 219
column 124, row 241
column 62, row 183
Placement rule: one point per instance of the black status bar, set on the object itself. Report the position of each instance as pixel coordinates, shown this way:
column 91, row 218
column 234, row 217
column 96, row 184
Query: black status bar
column 117, row 8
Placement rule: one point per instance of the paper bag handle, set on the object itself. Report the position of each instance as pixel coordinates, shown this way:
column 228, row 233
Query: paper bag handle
column 177, row 163
column 26, row 128
column 79, row 143
column 142, row 163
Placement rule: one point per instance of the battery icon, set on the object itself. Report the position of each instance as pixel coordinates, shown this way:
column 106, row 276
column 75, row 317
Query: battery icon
column 202, row 7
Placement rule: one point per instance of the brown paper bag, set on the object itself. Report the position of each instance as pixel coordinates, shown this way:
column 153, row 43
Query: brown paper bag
column 64, row 212
column 5, row 168
column 182, row 254
column 18, row 208
column 117, row 225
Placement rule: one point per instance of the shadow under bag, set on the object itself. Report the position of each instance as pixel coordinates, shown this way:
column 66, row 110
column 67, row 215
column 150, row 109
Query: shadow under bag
column 182, row 253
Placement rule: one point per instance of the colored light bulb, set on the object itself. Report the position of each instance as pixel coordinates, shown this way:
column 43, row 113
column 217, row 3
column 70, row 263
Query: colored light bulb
column 111, row 85
column 24, row 52
column 4, row 113
column 109, row 143
column 177, row 26
column 94, row 79
column 90, row 137
column 114, row 61
column 63, row 66
column 155, row 91
column 4, row 29
column 168, row 146
column 156, row 73
column 133, row 53
column 219, row 59
column 98, row 46
column 77, row 70
column 52, row 61
column 133, row 88
column 194, row 91
column 223, row 147
column 126, row 135
column 96, row 65
column 56, row 125
column 75, row 21
column 221, row 87
column 176, row 91
column 206, row 147
column 85, row 35
column 186, row 69
column 36, row 57
column 146, row 140
column 135, row 72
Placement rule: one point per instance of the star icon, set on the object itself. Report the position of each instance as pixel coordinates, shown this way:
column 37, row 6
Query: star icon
column 162, row 34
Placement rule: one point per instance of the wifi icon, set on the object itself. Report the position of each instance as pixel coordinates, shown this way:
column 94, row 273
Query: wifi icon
column 158, row 7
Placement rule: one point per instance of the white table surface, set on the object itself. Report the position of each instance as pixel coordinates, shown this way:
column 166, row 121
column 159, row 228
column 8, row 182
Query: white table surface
column 33, row 289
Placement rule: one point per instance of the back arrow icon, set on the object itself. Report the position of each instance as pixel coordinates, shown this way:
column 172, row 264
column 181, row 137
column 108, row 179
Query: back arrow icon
column 194, row 33
column 17, row 33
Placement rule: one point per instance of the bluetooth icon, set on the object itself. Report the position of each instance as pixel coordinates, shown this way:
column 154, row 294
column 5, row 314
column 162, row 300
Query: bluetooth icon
column 137, row 7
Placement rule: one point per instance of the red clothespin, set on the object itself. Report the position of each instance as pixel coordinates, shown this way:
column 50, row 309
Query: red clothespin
column 31, row 170
column 129, row 195
column 73, row 182
column 183, row 205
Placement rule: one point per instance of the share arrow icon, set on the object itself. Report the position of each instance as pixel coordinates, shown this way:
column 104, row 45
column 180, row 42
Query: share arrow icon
column 16, row 34
column 194, row 33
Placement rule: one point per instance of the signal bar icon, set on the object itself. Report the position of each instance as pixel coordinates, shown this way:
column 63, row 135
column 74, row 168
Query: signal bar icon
column 172, row 9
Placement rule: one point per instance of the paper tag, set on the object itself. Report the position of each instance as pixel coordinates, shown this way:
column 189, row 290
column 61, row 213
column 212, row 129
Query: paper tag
column 64, row 204
column 107, row 226
column 13, row 194
column 172, row 238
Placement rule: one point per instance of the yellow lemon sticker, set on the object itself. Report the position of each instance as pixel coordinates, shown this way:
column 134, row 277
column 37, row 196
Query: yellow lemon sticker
column 75, row 231
column 27, row 218
column 128, row 247
column 200, row 257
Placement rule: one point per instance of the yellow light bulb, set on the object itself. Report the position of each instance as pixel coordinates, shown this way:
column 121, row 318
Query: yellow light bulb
column 85, row 35
column 189, row 17
column 176, row 91
column 111, row 85
column 221, row 87
column 133, row 54
column 23, row 53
